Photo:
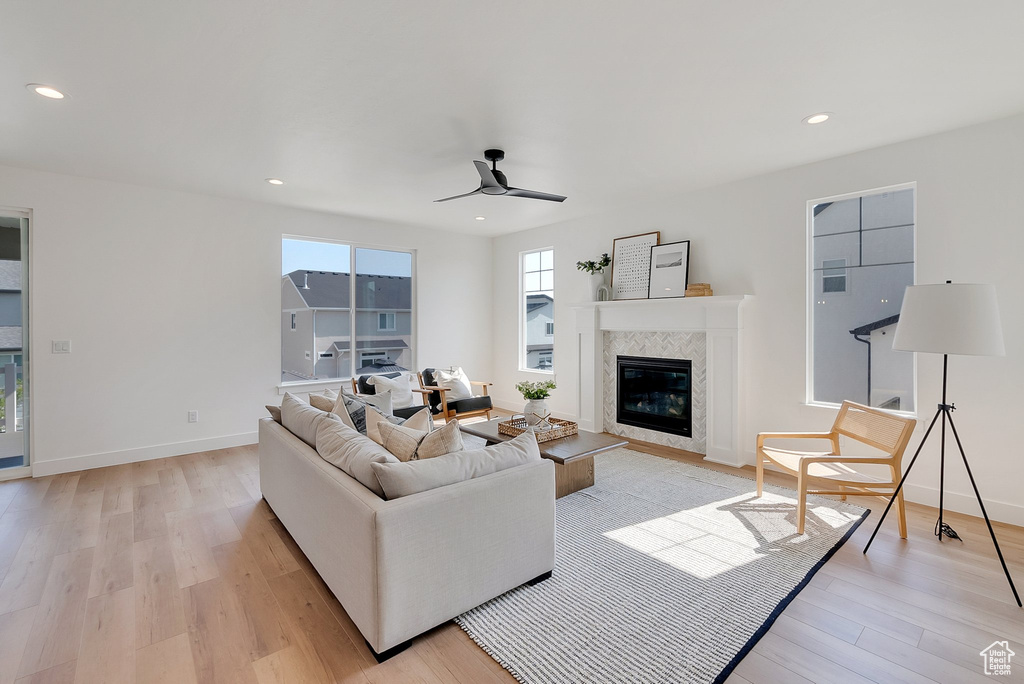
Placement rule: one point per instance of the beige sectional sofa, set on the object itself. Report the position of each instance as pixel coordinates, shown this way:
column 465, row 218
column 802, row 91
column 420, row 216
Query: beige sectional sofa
column 401, row 567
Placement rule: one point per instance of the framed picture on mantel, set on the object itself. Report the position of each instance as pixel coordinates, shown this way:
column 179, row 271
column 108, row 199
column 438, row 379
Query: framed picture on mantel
column 670, row 266
column 631, row 265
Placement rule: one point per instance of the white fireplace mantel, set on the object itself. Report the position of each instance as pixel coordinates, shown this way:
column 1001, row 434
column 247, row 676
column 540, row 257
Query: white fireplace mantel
column 719, row 317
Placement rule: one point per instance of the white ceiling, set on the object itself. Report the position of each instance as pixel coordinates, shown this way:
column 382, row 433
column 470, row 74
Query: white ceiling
column 378, row 108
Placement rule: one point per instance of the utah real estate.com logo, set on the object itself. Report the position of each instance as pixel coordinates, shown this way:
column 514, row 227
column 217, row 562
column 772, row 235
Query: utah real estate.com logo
column 997, row 658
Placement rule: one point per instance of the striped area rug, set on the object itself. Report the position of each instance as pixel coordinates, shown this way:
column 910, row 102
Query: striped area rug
column 664, row 572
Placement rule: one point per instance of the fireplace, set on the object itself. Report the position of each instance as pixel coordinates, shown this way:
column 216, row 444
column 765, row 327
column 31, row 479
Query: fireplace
column 654, row 394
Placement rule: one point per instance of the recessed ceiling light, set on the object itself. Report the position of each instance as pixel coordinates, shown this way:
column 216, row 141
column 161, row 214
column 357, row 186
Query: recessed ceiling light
column 275, row 181
column 481, row 218
column 820, row 117
column 45, row 91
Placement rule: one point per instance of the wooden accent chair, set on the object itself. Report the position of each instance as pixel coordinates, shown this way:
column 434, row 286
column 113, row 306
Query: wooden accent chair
column 829, row 472
column 436, row 397
column 362, row 387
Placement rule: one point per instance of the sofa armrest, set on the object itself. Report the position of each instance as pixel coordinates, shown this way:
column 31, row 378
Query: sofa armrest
column 447, row 550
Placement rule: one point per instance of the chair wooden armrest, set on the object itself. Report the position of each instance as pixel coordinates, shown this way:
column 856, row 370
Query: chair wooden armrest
column 794, row 435
column 482, row 385
column 831, row 436
column 430, row 390
column 839, row 458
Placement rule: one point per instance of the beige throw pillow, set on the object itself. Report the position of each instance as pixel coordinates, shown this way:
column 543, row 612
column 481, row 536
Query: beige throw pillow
column 421, row 420
column 409, row 444
column 457, row 383
column 303, row 420
column 344, row 448
column 402, row 479
column 275, row 412
column 400, row 388
column 324, row 401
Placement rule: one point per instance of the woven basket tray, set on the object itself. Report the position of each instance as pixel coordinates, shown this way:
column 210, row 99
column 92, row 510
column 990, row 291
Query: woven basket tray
column 560, row 428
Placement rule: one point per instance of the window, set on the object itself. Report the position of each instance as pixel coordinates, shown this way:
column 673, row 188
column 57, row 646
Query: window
column 833, row 275
column 339, row 326
column 862, row 257
column 537, row 276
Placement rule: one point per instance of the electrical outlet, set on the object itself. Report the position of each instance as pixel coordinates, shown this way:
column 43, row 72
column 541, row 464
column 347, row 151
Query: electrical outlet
column 61, row 346
column 193, row 416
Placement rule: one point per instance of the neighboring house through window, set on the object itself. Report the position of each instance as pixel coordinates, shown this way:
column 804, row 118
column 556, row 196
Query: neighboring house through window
column 861, row 262
column 339, row 326
column 537, row 278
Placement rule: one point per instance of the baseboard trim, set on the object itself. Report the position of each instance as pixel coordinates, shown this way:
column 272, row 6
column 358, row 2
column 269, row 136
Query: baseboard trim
column 1012, row 514
column 89, row 461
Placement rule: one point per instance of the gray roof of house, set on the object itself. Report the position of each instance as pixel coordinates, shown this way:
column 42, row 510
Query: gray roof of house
column 10, row 275
column 10, row 338
column 345, row 345
column 537, row 301
column 329, row 290
column 867, row 328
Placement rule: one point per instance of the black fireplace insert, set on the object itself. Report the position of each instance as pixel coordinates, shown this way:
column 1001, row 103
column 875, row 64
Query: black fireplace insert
column 654, row 394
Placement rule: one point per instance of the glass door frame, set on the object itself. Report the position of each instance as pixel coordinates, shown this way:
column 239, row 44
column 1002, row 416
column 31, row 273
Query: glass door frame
column 25, row 216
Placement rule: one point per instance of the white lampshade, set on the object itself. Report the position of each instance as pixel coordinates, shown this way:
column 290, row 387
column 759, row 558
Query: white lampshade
column 951, row 318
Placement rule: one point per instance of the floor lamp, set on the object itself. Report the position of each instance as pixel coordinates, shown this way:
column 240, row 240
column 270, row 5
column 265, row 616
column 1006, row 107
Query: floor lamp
column 949, row 319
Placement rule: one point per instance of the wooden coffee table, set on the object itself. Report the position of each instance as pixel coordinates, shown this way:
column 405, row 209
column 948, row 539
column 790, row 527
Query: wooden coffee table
column 573, row 456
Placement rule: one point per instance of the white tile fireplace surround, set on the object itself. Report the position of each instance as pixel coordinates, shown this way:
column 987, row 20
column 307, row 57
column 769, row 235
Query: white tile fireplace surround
column 681, row 328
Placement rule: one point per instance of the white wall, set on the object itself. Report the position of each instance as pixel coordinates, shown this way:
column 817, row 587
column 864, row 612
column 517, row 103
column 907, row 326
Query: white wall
column 172, row 302
column 749, row 237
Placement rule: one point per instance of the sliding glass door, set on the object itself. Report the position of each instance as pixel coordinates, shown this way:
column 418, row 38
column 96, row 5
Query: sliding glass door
column 14, row 226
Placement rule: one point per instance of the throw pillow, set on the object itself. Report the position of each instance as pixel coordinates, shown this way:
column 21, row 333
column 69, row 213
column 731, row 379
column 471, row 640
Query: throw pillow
column 409, row 444
column 400, row 387
column 303, row 420
column 346, row 449
column 352, row 409
column 275, row 412
column 421, row 420
column 324, row 401
column 402, row 479
column 457, row 383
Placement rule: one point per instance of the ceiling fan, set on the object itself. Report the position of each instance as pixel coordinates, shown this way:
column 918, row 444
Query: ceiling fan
column 493, row 182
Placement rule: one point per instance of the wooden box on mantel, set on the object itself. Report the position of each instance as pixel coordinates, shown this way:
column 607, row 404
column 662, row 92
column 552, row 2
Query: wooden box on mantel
column 699, row 290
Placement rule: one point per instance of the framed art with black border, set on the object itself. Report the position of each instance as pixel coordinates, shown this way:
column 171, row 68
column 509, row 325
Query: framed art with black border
column 669, row 270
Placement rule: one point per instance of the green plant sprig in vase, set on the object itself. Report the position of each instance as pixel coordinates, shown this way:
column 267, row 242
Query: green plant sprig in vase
column 535, row 394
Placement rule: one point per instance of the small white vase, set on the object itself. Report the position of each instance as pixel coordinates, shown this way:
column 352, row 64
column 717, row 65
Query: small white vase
column 535, row 408
column 596, row 282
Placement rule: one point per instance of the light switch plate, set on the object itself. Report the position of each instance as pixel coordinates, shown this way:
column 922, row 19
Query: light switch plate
column 61, row 346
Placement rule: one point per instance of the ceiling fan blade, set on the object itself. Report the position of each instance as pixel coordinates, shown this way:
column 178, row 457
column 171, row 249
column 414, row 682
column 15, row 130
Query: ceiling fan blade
column 487, row 179
column 533, row 194
column 475, row 192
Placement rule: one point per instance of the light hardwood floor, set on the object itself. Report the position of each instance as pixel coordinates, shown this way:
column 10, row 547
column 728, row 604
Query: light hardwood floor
column 175, row 570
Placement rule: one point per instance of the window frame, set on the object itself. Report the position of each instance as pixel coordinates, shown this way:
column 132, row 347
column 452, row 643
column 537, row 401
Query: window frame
column 307, row 385
column 521, row 292
column 809, row 292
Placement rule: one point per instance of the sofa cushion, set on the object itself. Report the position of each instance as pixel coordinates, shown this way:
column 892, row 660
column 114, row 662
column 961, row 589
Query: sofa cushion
column 400, row 387
column 421, row 420
column 303, row 420
column 412, row 477
column 409, row 444
column 471, row 404
column 457, row 383
column 275, row 412
column 346, row 449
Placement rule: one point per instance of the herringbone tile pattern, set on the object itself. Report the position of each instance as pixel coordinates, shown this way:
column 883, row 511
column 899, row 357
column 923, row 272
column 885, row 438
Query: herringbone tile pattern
column 665, row 345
